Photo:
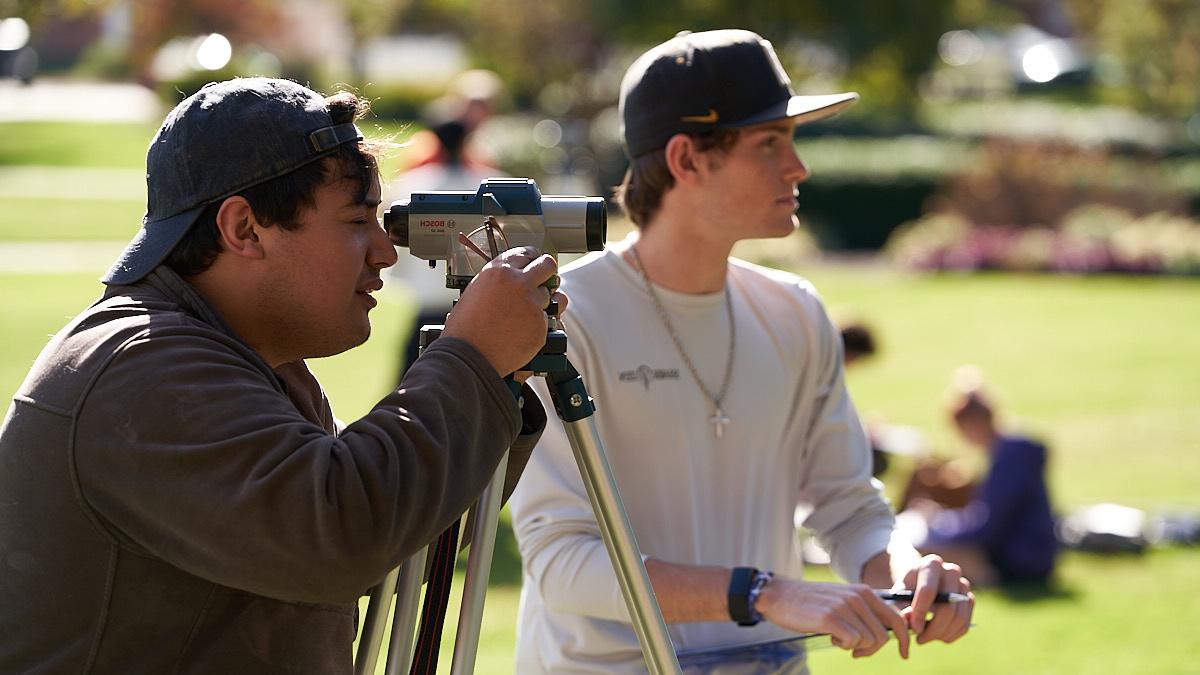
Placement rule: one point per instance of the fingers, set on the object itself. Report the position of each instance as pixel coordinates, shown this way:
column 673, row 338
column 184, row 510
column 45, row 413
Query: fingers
column 517, row 256
column 538, row 268
column 963, row 613
column 843, row 635
column 950, row 621
column 868, row 619
column 925, row 591
column 898, row 625
column 890, row 619
column 943, row 614
column 542, row 268
column 853, row 615
column 501, row 312
column 871, row 612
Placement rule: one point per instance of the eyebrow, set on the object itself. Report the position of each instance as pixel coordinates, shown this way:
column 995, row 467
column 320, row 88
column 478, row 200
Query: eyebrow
column 366, row 202
column 782, row 127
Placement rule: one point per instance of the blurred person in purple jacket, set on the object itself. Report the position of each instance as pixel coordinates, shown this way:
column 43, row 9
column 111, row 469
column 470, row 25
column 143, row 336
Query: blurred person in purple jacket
column 1005, row 533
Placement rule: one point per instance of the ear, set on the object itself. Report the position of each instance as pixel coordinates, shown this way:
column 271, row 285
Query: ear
column 683, row 159
column 238, row 228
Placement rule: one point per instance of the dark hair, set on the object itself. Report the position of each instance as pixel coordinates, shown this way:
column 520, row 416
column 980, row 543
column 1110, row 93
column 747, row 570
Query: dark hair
column 857, row 340
column 453, row 137
column 279, row 200
column 648, row 178
column 971, row 405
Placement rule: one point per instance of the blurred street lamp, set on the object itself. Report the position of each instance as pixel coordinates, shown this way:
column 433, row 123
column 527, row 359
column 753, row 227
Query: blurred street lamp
column 1039, row 58
column 214, row 52
column 960, row 48
column 547, row 133
column 1040, row 64
column 17, row 57
column 14, row 34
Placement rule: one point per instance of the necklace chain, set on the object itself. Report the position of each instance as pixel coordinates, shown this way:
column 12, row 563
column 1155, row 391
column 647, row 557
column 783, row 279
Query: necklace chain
column 719, row 420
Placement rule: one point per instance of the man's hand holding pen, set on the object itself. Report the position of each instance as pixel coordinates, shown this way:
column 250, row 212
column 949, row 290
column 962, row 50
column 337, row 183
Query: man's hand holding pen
column 929, row 579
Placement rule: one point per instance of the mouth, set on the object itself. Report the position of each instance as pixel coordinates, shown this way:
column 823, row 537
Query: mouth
column 364, row 291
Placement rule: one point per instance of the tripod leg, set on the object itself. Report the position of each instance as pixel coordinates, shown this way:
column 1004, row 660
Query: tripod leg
column 617, row 533
column 574, row 407
column 479, row 566
column 404, row 621
column 374, row 624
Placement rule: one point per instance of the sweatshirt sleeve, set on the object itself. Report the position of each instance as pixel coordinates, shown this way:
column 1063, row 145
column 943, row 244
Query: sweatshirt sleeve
column 852, row 519
column 187, row 450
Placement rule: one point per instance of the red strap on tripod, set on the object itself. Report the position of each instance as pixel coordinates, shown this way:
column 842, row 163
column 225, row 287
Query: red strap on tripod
column 437, row 598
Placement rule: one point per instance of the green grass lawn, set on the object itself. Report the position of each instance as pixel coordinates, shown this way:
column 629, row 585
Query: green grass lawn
column 23, row 219
column 120, row 145
column 1107, row 370
column 1101, row 367
column 55, row 186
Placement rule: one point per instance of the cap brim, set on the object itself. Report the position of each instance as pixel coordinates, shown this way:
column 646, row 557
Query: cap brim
column 151, row 246
column 803, row 109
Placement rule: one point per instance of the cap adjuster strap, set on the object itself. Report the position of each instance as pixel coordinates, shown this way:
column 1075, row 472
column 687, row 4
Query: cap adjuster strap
column 328, row 138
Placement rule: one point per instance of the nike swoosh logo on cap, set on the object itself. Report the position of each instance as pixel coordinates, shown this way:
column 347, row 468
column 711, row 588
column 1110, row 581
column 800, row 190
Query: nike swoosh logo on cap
column 710, row 118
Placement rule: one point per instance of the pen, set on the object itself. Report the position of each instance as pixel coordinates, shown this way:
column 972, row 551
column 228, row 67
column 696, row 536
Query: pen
column 907, row 596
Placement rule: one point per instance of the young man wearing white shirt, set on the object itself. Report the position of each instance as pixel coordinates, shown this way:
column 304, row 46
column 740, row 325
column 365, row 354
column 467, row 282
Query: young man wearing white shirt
column 720, row 396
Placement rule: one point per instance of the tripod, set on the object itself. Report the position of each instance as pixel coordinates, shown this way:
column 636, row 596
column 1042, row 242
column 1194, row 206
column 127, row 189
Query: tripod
column 574, row 407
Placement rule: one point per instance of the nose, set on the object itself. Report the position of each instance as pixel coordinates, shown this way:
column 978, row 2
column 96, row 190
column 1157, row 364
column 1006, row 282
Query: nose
column 797, row 170
column 381, row 253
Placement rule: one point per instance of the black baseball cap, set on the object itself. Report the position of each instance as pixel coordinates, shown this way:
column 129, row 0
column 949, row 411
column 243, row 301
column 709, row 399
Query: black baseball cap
column 225, row 138
column 720, row 79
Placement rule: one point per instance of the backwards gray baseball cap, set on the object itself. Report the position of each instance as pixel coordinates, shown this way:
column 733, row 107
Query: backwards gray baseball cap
column 718, row 79
column 225, row 138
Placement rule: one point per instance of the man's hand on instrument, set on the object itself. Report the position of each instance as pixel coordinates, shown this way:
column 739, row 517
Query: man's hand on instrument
column 502, row 311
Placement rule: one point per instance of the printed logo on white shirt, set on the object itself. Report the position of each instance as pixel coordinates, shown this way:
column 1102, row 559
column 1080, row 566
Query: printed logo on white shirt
column 645, row 374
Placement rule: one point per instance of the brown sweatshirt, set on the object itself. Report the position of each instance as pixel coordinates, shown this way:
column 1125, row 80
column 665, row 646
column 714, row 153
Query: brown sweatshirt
column 169, row 503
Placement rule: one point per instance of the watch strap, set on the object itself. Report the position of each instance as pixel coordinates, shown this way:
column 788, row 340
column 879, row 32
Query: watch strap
column 738, row 598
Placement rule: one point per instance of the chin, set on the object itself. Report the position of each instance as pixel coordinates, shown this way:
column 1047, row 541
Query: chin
column 345, row 342
column 782, row 230
column 360, row 336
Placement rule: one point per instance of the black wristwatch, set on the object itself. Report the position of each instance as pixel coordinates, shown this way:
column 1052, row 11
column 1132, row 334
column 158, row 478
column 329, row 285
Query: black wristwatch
column 745, row 584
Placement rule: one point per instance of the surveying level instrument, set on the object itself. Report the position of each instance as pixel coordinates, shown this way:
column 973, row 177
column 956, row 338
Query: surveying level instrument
column 433, row 226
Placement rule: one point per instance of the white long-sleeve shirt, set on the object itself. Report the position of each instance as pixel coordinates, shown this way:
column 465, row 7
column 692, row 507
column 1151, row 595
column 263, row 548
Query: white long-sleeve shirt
column 793, row 440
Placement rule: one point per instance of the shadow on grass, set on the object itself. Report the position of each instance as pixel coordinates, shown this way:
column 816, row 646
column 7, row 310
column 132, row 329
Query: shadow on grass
column 1029, row 592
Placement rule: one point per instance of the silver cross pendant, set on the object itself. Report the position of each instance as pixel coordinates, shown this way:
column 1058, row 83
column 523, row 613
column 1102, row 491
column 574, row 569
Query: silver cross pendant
column 719, row 420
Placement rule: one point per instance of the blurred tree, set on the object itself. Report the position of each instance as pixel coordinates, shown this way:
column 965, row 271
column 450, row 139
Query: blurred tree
column 36, row 11
column 1149, row 52
column 887, row 46
column 1052, row 16
column 531, row 43
column 369, row 19
column 154, row 22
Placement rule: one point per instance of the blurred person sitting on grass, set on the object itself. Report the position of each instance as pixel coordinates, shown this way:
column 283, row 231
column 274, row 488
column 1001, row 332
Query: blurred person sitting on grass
column 858, row 342
column 723, row 405
column 1005, row 532
column 176, row 494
